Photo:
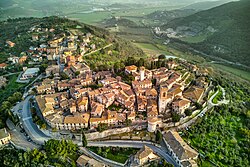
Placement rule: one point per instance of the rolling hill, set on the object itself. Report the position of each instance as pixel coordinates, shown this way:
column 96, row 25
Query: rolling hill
column 205, row 5
column 225, row 30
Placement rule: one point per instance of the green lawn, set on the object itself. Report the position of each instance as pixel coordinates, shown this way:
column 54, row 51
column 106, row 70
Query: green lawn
column 218, row 97
column 114, row 153
column 11, row 87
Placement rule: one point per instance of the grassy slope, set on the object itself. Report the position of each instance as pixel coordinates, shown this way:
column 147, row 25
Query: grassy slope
column 11, row 87
column 233, row 71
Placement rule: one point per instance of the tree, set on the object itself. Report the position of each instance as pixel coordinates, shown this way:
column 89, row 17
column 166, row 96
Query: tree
column 158, row 136
column 128, row 122
column 43, row 67
column 77, row 73
column 141, row 62
column 176, row 117
column 188, row 112
column 64, row 76
column 161, row 56
column 84, row 140
column 198, row 105
column 102, row 126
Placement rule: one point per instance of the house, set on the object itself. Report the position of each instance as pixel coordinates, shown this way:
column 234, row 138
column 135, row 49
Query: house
column 82, row 104
column 81, row 67
column 130, row 69
column 145, row 84
column 52, row 50
column 181, row 152
column 151, row 93
column 194, row 94
column 35, row 37
column 131, row 116
column 201, row 82
column 108, row 117
column 108, row 81
column 141, row 103
column 14, row 59
column 152, row 108
column 52, row 70
column 72, row 108
column 180, row 105
column 106, row 99
column 11, row 44
column 85, row 161
column 4, row 137
column 144, row 155
column 3, row 66
column 96, row 109
column 63, row 86
column 55, row 120
column 22, row 59
column 3, row 81
column 126, row 98
column 78, row 121
column 43, row 88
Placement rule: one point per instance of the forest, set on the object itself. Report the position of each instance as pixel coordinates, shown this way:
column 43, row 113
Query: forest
column 54, row 153
column 223, row 135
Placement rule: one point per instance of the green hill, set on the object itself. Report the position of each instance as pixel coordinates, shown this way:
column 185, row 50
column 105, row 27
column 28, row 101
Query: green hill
column 119, row 21
column 166, row 16
column 225, row 30
column 205, row 5
column 16, row 30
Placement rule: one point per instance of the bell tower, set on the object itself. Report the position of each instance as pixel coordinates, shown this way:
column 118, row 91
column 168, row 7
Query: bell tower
column 142, row 73
column 163, row 98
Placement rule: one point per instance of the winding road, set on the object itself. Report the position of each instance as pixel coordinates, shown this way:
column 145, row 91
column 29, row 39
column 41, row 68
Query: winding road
column 134, row 144
column 30, row 127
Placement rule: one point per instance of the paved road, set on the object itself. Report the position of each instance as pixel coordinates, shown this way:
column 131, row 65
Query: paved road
column 224, row 101
column 25, row 94
column 5, row 75
column 100, row 158
column 31, row 128
column 135, row 144
column 18, row 139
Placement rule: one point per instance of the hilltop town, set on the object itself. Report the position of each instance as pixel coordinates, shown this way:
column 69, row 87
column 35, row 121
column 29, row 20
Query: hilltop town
column 155, row 96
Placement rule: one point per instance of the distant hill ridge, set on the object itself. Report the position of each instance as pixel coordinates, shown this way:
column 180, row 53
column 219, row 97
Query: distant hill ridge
column 230, row 23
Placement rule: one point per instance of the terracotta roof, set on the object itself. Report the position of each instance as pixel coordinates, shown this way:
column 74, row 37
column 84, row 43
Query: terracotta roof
column 131, row 114
column 193, row 93
column 153, row 120
column 131, row 68
column 97, row 108
column 84, row 118
column 83, row 101
column 2, row 65
column 181, row 102
column 144, row 152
